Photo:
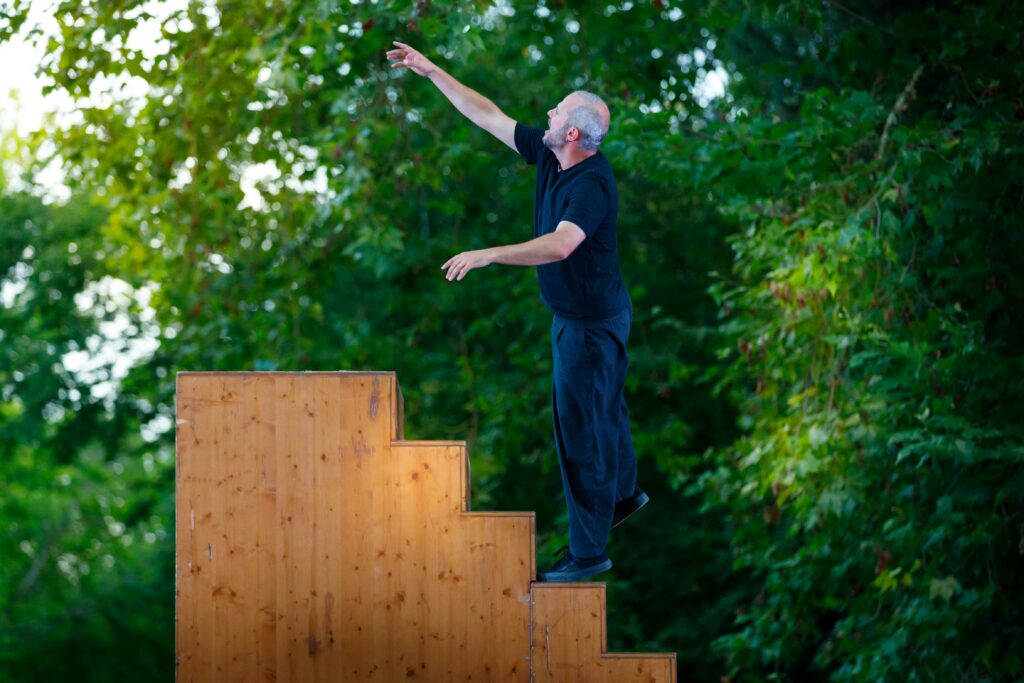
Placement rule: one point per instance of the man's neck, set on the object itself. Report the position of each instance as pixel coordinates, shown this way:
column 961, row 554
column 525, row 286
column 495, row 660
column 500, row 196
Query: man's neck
column 567, row 158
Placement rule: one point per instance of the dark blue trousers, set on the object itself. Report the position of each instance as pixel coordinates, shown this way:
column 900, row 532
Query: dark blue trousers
column 595, row 448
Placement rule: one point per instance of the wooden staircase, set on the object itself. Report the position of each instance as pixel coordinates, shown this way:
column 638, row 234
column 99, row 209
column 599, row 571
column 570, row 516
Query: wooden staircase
column 315, row 544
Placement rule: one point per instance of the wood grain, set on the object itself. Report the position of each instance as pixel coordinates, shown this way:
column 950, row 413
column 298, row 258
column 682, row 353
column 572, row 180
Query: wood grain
column 570, row 643
column 316, row 545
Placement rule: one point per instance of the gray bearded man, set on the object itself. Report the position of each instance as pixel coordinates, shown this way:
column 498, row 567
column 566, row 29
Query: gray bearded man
column 575, row 252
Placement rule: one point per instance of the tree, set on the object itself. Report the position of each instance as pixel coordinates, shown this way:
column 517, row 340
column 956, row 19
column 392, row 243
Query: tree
column 823, row 263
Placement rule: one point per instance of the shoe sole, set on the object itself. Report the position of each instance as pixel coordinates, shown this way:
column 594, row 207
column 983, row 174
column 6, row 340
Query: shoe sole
column 562, row 577
column 643, row 500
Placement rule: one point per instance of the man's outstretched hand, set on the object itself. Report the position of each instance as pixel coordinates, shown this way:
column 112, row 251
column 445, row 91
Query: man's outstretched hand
column 409, row 58
column 457, row 266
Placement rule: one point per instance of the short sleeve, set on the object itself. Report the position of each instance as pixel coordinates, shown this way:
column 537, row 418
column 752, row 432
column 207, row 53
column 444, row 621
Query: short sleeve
column 588, row 204
column 529, row 142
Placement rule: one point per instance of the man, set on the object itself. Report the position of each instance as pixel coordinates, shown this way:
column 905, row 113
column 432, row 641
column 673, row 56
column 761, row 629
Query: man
column 574, row 249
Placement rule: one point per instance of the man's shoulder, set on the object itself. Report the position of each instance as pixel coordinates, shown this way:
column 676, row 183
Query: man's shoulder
column 600, row 173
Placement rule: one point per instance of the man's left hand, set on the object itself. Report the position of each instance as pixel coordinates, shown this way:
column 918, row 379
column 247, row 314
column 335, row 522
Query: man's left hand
column 457, row 266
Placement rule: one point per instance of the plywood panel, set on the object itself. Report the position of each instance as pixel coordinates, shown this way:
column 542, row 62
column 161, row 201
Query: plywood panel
column 195, row 576
column 258, row 516
column 236, row 588
column 358, row 453
column 217, row 599
column 295, row 521
column 262, row 437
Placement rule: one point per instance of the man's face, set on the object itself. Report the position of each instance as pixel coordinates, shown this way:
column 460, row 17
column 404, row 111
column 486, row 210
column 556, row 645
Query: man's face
column 555, row 135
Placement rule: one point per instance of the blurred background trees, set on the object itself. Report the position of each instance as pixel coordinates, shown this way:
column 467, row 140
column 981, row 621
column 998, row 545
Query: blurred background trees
column 819, row 226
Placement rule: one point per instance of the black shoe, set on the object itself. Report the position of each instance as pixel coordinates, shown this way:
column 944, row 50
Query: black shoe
column 571, row 568
column 627, row 507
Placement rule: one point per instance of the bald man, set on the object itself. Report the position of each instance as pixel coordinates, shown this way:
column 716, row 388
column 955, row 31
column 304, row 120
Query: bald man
column 575, row 252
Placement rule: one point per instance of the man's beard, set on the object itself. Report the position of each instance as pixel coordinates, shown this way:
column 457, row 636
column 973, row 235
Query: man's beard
column 554, row 140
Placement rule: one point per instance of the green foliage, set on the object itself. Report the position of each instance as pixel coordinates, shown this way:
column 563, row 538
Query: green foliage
column 825, row 265
column 871, row 336
column 85, row 538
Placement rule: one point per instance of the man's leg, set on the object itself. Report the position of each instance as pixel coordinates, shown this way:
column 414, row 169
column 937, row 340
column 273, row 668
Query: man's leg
column 626, row 460
column 585, row 450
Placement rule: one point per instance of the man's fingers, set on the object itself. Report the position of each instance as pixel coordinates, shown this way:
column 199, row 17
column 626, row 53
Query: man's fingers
column 401, row 44
column 456, row 268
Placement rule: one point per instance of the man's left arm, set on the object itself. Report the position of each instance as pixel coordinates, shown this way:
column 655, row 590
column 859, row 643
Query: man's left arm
column 587, row 206
column 554, row 246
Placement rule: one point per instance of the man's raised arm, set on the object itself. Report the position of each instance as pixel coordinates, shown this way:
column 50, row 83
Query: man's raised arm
column 472, row 104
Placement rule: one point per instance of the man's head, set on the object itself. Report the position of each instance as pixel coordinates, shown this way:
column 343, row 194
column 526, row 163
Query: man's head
column 581, row 117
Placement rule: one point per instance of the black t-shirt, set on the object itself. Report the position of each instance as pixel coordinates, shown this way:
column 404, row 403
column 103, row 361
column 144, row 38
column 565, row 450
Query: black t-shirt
column 588, row 285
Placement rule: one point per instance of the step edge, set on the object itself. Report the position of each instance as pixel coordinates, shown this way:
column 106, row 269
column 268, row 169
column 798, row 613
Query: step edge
column 518, row 514
column 527, row 516
column 414, row 444
column 603, row 653
column 673, row 671
column 368, row 373
column 602, row 588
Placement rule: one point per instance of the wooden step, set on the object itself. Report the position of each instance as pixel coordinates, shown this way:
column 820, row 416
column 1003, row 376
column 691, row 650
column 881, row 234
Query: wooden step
column 570, row 641
column 313, row 544
column 471, row 597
